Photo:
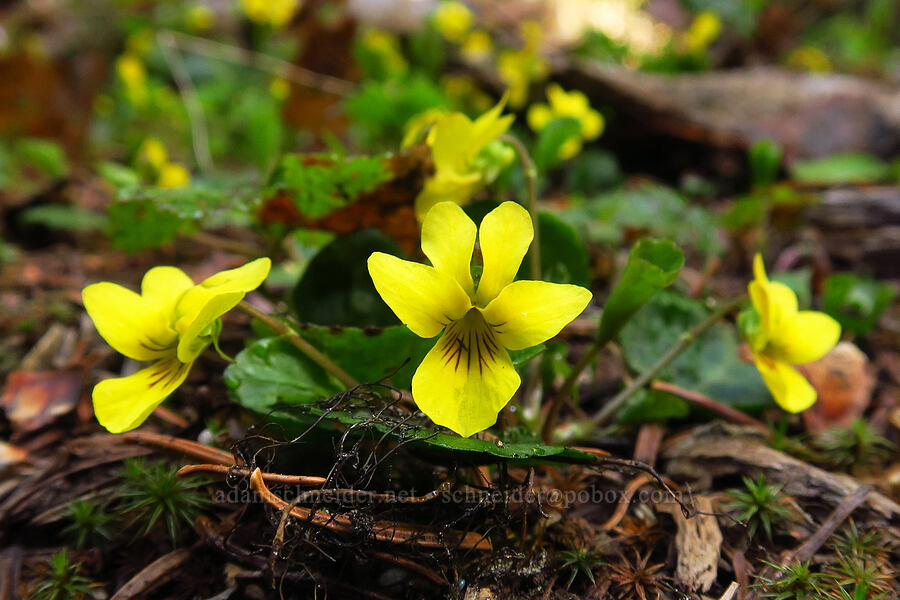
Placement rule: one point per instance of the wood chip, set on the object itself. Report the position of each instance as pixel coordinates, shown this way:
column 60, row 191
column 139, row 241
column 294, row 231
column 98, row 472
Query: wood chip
column 698, row 543
column 160, row 571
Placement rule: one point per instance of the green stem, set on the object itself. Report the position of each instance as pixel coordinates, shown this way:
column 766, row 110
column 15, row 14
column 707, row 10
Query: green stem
column 531, row 175
column 565, row 391
column 298, row 342
column 684, row 341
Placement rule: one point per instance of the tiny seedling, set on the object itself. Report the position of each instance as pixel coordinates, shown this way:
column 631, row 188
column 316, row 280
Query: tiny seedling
column 579, row 561
column 90, row 523
column 62, row 581
column 152, row 493
column 853, row 543
column 857, row 445
column 868, row 578
column 795, row 581
column 761, row 505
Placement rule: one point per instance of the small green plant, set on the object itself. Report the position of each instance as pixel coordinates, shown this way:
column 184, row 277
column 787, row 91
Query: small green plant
column 867, row 578
column 152, row 493
column 858, row 445
column 761, row 504
column 579, row 561
column 866, row 545
column 90, row 523
column 792, row 582
column 62, row 581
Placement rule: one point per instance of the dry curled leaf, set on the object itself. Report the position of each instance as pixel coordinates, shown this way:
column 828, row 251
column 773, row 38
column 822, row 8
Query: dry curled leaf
column 844, row 383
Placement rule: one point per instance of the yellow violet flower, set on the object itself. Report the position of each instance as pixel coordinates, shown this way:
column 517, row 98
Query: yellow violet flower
column 467, row 377
column 170, row 323
column 703, row 31
column 154, row 152
column 564, row 104
column 781, row 336
column 453, row 20
column 173, row 175
column 134, row 76
column 276, row 13
column 456, row 141
column 477, row 46
column 279, row 88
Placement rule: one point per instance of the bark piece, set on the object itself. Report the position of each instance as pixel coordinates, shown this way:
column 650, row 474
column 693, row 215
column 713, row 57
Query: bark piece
column 698, row 543
column 718, row 449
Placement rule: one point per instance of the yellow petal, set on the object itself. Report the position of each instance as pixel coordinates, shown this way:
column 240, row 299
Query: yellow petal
column 591, row 125
column 806, row 337
column 538, row 116
column 448, row 238
column 129, row 323
column 242, row 279
column 164, row 286
column 466, row 379
column 450, row 140
column 423, row 298
column 527, row 313
column 125, row 402
column 201, row 305
column 194, row 329
column 489, row 127
column 505, row 234
column 447, row 186
column 790, row 389
column 775, row 302
column 759, row 268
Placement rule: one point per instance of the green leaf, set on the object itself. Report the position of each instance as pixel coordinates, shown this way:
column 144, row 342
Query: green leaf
column 65, row 217
column 336, row 288
column 765, row 159
column 652, row 266
column 552, row 138
column 134, row 226
column 593, row 170
column 271, row 371
column 117, row 175
column 856, row 302
column 264, row 132
column 371, row 353
column 432, row 442
column 46, row 155
column 710, row 365
column 841, row 168
column 652, row 405
column 320, row 184
column 564, row 258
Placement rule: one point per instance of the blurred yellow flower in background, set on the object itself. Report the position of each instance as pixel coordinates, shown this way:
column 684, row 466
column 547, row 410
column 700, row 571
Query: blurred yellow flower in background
column 572, row 105
column 133, row 75
column 173, row 175
column 453, row 20
column 275, row 13
column 703, row 31
column 456, row 143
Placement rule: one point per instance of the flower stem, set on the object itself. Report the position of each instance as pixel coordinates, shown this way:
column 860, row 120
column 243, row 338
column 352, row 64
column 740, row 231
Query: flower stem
column 619, row 399
column 298, row 342
column 684, row 341
column 531, row 175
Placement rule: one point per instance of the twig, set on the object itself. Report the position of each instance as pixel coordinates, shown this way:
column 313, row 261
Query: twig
column 625, row 500
column 731, row 592
column 411, row 565
column 683, row 343
column 244, row 471
column 214, row 241
column 188, row 447
column 160, row 571
column 182, row 77
column 723, row 410
column 264, row 62
column 302, row 345
column 397, row 533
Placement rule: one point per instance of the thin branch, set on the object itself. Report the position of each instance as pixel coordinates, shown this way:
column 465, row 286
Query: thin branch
column 182, row 77
column 698, row 399
column 244, row 471
column 302, row 345
column 264, row 62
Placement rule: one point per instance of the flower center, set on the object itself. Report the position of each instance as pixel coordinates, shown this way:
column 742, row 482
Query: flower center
column 469, row 343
